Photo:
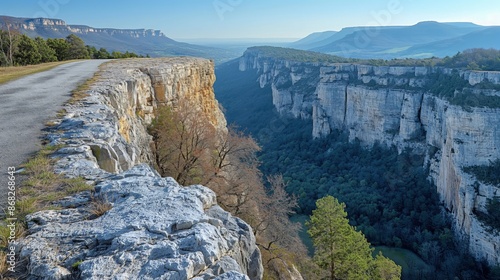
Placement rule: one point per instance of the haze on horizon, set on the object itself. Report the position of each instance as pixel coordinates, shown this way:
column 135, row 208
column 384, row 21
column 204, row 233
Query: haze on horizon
column 236, row 19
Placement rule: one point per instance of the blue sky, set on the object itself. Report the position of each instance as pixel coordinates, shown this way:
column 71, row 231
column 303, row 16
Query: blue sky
column 182, row 19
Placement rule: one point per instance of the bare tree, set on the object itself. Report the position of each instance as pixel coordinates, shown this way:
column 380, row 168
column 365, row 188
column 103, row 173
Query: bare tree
column 275, row 224
column 233, row 148
column 10, row 42
column 181, row 140
column 240, row 189
column 188, row 148
column 236, row 177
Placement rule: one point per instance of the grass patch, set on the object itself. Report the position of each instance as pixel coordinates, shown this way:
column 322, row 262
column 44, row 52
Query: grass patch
column 5, row 233
column 3, row 263
column 25, row 206
column 43, row 186
column 8, row 74
column 76, row 265
column 76, row 185
column 99, row 206
column 51, row 123
column 61, row 113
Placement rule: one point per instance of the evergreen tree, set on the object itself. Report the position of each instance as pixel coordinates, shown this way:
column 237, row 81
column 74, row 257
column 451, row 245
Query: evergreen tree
column 77, row 48
column 342, row 250
column 384, row 268
column 47, row 53
column 60, row 46
column 102, row 54
column 117, row 54
column 92, row 51
column 27, row 52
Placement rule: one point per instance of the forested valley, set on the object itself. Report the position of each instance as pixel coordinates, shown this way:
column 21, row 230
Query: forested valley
column 387, row 195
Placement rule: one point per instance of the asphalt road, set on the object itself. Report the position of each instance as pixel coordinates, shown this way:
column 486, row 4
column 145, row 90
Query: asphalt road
column 26, row 105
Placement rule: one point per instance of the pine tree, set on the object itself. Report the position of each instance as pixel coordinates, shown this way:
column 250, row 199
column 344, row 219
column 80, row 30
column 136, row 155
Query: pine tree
column 342, row 250
column 385, row 268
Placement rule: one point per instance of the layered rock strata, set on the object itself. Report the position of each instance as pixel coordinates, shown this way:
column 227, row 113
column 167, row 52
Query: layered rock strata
column 155, row 228
column 395, row 106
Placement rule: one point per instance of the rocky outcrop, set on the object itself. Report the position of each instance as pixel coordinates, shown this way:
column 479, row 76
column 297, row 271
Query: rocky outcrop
column 395, row 106
column 112, row 125
column 155, row 228
column 44, row 25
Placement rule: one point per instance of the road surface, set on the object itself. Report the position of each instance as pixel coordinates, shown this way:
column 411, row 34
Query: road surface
column 26, row 105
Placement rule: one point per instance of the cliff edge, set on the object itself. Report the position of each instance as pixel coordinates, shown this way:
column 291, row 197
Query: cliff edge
column 155, row 229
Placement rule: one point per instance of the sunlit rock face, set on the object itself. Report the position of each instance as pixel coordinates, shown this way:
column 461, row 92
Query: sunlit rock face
column 155, row 228
column 390, row 105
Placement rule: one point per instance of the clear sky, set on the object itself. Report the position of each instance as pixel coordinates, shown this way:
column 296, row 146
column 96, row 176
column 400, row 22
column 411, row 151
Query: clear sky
column 183, row 19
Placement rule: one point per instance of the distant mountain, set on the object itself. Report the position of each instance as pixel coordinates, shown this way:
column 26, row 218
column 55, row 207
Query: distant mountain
column 311, row 40
column 464, row 24
column 314, row 44
column 141, row 41
column 388, row 42
column 424, row 39
column 488, row 38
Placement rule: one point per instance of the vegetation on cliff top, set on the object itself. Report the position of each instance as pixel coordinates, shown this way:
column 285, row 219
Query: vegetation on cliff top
column 472, row 59
column 297, row 55
column 449, row 86
column 18, row 49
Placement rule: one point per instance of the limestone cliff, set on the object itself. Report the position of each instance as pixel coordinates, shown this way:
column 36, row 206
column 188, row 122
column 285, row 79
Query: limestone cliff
column 58, row 26
column 155, row 229
column 396, row 106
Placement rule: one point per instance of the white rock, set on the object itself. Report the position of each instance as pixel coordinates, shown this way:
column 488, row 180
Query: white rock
column 155, row 229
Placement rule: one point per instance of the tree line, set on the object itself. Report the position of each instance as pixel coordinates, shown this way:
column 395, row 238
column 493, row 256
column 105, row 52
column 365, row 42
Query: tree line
column 471, row 59
column 18, row 49
column 474, row 59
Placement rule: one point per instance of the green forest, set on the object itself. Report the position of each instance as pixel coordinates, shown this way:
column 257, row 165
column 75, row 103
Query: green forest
column 386, row 194
column 20, row 50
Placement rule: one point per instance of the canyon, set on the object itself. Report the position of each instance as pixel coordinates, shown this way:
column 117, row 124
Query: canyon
column 155, row 229
column 397, row 106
